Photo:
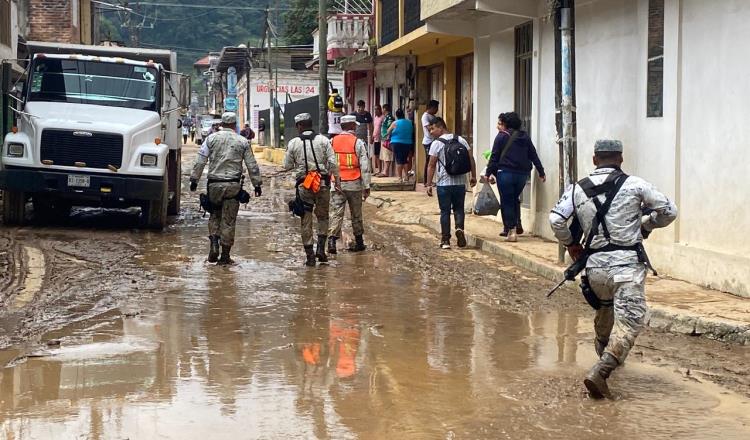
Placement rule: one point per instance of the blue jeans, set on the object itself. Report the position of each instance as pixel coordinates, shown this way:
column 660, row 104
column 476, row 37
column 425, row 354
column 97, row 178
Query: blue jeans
column 451, row 197
column 511, row 187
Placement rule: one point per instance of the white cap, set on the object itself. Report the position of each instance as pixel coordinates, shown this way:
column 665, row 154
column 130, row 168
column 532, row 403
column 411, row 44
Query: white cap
column 302, row 117
column 348, row 119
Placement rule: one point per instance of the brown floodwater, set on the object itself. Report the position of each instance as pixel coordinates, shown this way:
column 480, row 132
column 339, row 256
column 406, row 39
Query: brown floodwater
column 371, row 346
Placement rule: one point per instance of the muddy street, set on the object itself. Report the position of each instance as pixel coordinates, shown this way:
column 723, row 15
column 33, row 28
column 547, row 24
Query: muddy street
column 110, row 332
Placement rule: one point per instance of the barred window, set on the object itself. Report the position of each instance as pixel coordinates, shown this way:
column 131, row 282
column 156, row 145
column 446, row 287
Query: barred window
column 655, row 75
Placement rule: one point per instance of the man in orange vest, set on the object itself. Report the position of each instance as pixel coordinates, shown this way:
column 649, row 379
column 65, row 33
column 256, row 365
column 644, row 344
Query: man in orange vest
column 354, row 174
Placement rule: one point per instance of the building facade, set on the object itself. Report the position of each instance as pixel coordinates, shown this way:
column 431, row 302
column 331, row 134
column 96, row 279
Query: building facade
column 667, row 77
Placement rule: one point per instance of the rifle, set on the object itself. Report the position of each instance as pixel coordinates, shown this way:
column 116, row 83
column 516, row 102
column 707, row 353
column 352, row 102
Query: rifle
column 571, row 273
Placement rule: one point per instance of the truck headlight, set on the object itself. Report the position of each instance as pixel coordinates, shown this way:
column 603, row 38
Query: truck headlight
column 15, row 150
column 149, row 160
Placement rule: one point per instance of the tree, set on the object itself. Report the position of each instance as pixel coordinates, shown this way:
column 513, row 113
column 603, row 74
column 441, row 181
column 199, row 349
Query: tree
column 300, row 22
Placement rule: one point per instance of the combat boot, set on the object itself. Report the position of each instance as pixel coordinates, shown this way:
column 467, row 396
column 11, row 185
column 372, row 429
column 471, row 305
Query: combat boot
column 224, row 259
column 596, row 378
column 359, row 244
column 213, row 251
column 600, row 345
column 310, row 253
column 321, row 250
column 332, row 245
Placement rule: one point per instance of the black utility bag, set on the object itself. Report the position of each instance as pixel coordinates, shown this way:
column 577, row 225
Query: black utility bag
column 457, row 157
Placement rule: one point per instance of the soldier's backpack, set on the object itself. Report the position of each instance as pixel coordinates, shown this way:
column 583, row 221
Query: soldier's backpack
column 457, row 158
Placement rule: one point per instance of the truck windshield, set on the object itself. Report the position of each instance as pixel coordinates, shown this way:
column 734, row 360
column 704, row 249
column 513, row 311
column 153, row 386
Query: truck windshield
column 94, row 82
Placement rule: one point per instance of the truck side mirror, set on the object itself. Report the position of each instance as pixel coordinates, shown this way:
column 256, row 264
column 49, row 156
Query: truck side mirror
column 184, row 92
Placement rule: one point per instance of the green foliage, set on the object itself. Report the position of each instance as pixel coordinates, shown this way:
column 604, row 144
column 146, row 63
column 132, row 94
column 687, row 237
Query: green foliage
column 300, row 22
column 194, row 32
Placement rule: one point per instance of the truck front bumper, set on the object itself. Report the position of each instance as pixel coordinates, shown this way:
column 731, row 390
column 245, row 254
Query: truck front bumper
column 123, row 188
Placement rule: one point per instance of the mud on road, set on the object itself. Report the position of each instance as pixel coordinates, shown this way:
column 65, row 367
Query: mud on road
column 114, row 330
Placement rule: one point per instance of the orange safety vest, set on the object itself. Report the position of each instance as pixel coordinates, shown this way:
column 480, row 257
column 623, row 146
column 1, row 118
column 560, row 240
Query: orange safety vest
column 345, row 146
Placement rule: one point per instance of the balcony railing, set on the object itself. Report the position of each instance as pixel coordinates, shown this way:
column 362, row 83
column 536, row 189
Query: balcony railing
column 412, row 11
column 347, row 34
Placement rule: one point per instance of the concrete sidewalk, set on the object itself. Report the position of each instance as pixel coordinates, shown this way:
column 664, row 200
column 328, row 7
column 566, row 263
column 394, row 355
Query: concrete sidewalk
column 676, row 306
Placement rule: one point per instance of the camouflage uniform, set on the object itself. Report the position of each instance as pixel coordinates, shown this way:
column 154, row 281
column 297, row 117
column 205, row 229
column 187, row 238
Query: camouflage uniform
column 351, row 193
column 326, row 162
column 618, row 275
column 224, row 151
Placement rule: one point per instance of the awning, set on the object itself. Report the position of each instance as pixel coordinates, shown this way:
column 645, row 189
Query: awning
column 418, row 42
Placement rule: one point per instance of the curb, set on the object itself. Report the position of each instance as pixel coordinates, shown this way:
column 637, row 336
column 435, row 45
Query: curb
column 663, row 318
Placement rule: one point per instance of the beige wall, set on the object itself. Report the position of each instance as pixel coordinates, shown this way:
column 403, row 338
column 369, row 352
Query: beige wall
column 432, row 7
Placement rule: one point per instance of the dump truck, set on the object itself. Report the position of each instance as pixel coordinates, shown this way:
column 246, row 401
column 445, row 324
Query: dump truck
column 95, row 126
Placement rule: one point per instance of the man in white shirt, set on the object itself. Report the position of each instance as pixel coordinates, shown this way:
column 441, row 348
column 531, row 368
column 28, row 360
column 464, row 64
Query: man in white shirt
column 427, row 118
column 445, row 153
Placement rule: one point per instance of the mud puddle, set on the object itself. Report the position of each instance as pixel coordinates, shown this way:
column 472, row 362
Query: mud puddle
column 391, row 343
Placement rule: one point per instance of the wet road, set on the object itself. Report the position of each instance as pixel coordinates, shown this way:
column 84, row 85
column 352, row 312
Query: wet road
column 127, row 334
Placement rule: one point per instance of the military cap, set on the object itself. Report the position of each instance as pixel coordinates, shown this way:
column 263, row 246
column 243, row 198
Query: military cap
column 608, row 145
column 348, row 119
column 302, row 117
column 228, row 118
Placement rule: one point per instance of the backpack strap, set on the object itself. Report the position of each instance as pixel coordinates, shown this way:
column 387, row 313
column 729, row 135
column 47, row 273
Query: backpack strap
column 508, row 143
column 611, row 187
column 312, row 148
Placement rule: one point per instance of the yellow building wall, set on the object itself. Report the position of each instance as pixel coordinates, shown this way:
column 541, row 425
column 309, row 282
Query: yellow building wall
column 447, row 55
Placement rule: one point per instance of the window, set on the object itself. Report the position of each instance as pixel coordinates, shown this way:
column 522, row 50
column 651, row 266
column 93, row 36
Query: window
column 412, row 12
column 524, row 41
column 92, row 82
column 389, row 21
column 655, row 75
column 465, row 98
column 5, row 23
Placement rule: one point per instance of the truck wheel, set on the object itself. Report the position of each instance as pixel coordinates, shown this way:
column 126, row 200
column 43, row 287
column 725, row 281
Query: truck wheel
column 154, row 214
column 14, row 207
column 175, row 181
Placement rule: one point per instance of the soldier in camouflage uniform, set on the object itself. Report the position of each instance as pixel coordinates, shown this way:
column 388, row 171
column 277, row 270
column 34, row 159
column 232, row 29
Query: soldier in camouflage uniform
column 354, row 171
column 224, row 151
column 312, row 152
column 617, row 263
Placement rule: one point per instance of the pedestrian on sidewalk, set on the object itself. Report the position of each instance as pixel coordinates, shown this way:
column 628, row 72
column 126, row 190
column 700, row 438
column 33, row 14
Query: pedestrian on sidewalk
column 262, row 131
column 224, row 151
column 446, row 152
column 185, row 131
column 192, row 133
column 386, row 151
column 427, row 118
column 311, row 157
column 401, row 134
column 607, row 207
column 377, row 125
column 364, row 123
column 510, row 164
column 247, row 132
column 354, row 181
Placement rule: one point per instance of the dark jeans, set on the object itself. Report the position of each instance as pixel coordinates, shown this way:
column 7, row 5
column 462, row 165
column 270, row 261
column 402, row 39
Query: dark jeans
column 511, row 187
column 451, row 197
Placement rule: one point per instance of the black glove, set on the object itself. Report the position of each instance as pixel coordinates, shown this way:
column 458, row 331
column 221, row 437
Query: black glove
column 258, row 191
column 645, row 233
column 193, row 185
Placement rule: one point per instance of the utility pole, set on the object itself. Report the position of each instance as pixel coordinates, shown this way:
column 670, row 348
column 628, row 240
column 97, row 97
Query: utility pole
column 323, row 65
column 566, row 69
column 271, row 85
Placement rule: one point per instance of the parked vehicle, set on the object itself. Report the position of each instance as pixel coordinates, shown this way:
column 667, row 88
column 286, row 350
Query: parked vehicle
column 96, row 126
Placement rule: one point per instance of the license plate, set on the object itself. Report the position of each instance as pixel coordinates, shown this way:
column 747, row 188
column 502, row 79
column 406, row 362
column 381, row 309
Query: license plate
column 79, row 181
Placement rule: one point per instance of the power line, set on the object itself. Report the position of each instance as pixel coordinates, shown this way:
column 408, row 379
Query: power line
column 233, row 8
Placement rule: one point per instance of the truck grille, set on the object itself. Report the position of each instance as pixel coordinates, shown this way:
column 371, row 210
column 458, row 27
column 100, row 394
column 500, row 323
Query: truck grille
column 65, row 148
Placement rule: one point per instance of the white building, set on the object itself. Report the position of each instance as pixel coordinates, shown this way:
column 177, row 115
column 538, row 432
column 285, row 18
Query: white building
column 667, row 77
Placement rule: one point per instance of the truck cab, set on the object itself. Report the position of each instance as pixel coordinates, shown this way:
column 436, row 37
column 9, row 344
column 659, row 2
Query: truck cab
column 96, row 126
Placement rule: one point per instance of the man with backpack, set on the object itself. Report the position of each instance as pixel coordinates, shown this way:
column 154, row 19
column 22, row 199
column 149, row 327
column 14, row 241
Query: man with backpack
column 311, row 157
column 335, row 112
column 451, row 157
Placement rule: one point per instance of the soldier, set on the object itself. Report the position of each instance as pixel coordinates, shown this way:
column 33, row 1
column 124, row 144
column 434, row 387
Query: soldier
column 310, row 155
column 224, row 151
column 354, row 170
column 608, row 206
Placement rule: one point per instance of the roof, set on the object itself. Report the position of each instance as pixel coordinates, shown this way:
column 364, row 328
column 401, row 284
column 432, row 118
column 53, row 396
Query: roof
column 233, row 56
column 203, row 62
column 163, row 57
